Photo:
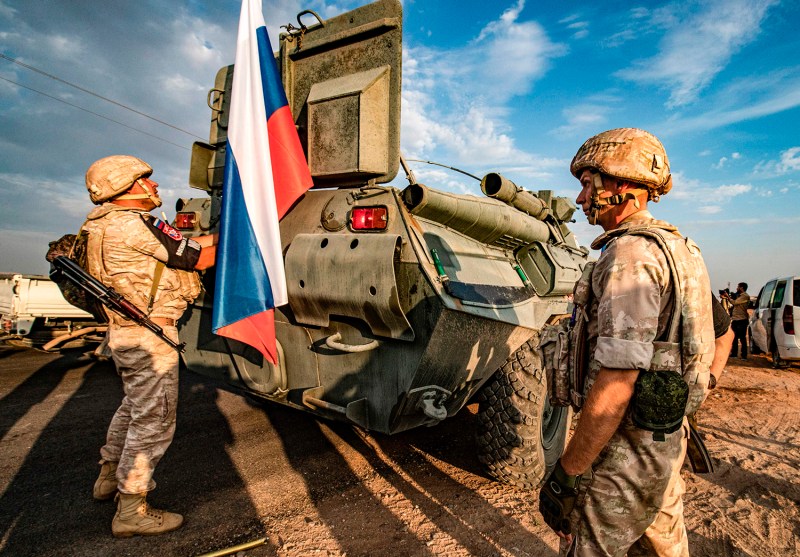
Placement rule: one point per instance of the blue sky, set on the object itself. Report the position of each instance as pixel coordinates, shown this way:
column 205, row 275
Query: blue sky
column 513, row 87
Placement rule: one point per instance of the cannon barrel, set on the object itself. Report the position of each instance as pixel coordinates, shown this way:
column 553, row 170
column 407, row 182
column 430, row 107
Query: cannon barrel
column 484, row 219
column 497, row 187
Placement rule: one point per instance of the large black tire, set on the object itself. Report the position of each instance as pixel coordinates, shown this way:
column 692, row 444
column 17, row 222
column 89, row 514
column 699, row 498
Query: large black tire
column 520, row 436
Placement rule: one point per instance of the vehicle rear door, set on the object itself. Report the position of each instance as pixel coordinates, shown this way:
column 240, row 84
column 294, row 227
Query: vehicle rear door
column 775, row 328
column 760, row 324
column 784, row 301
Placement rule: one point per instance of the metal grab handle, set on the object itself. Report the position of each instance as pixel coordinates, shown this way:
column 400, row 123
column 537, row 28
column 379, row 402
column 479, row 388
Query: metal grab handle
column 333, row 342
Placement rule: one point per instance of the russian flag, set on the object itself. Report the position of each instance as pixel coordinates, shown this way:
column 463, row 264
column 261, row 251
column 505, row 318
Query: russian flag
column 265, row 173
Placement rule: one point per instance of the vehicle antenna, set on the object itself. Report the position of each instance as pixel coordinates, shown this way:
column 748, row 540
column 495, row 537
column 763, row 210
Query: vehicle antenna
column 445, row 166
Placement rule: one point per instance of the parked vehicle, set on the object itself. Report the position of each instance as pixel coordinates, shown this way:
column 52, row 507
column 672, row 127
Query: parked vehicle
column 775, row 323
column 404, row 306
column 33, row 312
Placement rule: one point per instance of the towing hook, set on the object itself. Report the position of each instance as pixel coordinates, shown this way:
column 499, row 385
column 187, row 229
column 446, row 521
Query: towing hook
column 432, row 405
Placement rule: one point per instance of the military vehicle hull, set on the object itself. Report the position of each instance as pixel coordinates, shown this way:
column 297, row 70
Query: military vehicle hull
column 404, row 305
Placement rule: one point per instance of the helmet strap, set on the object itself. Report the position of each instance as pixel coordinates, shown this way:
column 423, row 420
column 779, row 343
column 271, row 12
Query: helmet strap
column 599, row 202
column 148, row 194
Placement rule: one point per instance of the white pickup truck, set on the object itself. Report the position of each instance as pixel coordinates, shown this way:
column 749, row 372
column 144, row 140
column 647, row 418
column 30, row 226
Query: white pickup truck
column 33, row 313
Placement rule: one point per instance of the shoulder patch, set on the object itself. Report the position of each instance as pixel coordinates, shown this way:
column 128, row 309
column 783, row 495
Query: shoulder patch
column 167, row 229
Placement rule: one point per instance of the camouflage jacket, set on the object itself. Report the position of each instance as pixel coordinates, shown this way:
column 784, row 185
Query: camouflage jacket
column 123, row 252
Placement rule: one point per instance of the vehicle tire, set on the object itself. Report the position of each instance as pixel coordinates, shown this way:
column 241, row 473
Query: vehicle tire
column 777, row 361
column 520, row 436
column 754, row 349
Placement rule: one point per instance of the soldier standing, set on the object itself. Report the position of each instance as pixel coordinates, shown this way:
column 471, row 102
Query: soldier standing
column 152, row 265
column 617, row 488
column 739, row 319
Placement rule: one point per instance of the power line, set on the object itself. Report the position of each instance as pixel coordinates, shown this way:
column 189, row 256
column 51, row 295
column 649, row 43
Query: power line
column 79, row 88
column 95, row 113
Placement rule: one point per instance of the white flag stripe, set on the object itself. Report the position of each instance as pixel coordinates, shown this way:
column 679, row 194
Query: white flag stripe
column 249, row 141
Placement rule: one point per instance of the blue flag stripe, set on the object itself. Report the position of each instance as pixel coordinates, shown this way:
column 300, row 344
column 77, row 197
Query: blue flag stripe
column 274, row 95
column 242, row 276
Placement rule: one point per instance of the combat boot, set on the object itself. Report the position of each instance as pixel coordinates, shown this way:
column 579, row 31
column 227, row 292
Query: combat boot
column 135, row 517
column 106, row 485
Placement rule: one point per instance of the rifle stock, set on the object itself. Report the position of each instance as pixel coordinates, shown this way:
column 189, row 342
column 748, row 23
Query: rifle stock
column 696, row 450
column 107, row 296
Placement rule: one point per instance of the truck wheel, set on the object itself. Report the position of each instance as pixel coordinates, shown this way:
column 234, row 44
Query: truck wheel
column 777, row 361
column 520, row 436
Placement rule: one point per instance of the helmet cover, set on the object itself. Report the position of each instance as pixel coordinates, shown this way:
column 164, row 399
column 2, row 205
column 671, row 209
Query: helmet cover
column 628, row 154
column 111, row 176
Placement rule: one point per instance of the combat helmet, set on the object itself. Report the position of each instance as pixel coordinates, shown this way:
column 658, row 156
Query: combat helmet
column 110, row 176
column 628, row 154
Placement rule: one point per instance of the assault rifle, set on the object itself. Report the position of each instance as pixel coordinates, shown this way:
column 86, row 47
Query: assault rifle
column 696, row 450
column 65, row 267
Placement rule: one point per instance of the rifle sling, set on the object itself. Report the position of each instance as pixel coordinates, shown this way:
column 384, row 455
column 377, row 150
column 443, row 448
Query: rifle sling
column 156, row 280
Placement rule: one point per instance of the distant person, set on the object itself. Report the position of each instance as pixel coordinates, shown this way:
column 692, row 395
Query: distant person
column 739, row 319
column 152, row 265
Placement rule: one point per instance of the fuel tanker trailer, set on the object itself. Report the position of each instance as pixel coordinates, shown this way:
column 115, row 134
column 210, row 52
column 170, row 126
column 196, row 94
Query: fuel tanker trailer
column 404, row 304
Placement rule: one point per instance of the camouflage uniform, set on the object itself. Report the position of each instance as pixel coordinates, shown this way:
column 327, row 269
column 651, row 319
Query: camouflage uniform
column 630, row 499
column 123, row 251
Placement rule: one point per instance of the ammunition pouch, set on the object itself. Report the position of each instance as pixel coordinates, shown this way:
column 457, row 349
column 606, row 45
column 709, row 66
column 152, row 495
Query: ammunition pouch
column 564, row 350
column 659, row 402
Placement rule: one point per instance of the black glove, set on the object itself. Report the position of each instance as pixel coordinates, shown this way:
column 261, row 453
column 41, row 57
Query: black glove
column 557, row 499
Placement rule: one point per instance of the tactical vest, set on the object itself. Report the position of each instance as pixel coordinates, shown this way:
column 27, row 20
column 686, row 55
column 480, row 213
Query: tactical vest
column 688, row 348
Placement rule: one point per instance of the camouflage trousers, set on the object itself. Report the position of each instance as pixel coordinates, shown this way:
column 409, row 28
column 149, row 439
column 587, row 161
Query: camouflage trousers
column 631, row 501
column 144, row 424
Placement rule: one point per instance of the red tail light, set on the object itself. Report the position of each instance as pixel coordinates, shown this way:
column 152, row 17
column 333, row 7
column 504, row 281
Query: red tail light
column 186, row 221
column 369, row 218
column 788, row 320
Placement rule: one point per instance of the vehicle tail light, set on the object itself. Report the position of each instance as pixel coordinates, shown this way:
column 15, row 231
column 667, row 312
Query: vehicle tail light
column 369, row 218
column 7, row 325
column 186, row 220
column 788, row 320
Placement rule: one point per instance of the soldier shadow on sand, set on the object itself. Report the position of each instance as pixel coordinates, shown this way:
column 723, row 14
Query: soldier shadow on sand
column 439, row 496
column 48, row 509
column 313, row 455
column 34, row 389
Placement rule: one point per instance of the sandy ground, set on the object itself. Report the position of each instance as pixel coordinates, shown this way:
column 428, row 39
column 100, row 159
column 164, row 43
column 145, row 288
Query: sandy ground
column 240, row 472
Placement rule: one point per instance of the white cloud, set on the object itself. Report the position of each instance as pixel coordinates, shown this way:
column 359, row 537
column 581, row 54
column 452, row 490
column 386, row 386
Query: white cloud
column 709, row 209
column 456, row 101
column 733, row 190
column 723, row 161
column 745, row 99
column 689, row 189
column 7, row 12
column 699, row 46
column 582, row 117
column 789, row 161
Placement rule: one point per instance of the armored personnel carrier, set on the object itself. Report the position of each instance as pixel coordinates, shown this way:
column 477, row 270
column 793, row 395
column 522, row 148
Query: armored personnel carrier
column 404, row 305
